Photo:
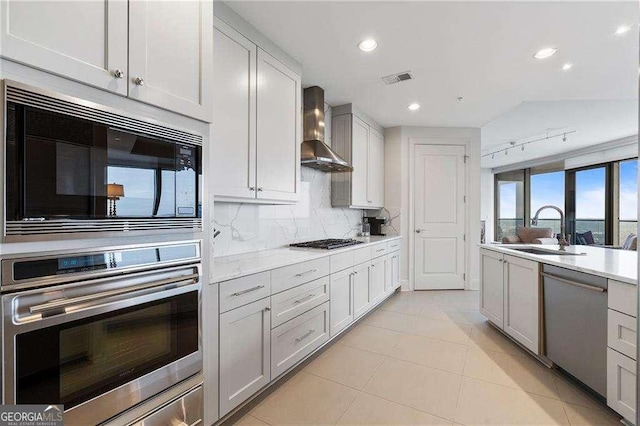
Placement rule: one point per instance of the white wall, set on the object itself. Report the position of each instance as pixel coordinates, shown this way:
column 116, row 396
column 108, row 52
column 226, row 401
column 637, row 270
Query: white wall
column 399, row 142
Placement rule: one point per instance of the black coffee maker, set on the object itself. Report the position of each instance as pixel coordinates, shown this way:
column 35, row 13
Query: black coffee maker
column 376, row 224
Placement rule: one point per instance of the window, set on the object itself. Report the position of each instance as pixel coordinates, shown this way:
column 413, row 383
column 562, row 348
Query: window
column 588, row 226
column 510, row 197
column 627, row 199
column 600, row 201
column 547, row 189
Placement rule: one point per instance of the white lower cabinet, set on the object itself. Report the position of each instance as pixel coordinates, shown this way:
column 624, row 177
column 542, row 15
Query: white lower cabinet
column 621, row 384
column 521, row 307
column 296, row 339
column 622, row 348
column 492, row 286
column 245, row 353
column 509, row 296
column 392, row 272
column 271, row 321
column 377, row 278
column 341, row 300
column 361, row 293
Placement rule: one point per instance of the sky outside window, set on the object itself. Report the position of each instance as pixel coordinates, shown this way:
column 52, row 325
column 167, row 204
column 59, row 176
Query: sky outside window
column 590, row 194
column 547, row 188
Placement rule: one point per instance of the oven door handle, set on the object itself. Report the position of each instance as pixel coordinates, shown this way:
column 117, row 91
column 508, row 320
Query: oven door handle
column 65, row 303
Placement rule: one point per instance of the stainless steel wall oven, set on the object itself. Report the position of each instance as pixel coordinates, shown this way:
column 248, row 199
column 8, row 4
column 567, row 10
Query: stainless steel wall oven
column 74, row 167
column 100, row 331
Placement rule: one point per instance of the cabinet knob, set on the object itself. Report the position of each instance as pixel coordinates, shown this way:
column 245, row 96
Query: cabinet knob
column 259, row 189
column 139, row 81
column 118, row 73
column 267, row 309
column 418, row 231
column 252, row 188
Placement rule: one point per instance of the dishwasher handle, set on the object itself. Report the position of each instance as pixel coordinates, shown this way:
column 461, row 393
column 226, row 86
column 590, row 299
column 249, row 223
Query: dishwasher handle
column 574, row 283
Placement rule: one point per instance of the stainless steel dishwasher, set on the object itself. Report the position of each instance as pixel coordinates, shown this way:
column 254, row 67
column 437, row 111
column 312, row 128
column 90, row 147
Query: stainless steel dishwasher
column 575, row 319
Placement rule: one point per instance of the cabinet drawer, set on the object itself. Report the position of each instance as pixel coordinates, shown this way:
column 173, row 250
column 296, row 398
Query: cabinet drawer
column 393, row 245
column 379, row 250
column 294, row 340
column 623, row 298
column 341, row 261
column 622, row 333
column 293, row 302
column 291, row 276
column 240, row 291
column 361, row 255
column 621, row 384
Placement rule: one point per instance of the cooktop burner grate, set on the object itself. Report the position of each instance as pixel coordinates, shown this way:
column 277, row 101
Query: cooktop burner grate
column 328, row 244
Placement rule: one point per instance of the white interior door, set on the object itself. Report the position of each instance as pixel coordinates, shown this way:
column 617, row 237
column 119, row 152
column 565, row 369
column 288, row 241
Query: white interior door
column 439, row 212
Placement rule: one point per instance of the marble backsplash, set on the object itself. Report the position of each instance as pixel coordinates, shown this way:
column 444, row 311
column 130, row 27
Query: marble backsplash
column 246, row 227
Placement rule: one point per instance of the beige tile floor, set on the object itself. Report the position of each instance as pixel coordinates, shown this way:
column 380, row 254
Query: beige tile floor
column 427, row 358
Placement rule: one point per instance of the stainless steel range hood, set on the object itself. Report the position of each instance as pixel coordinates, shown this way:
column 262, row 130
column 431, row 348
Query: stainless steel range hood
column 315, row 153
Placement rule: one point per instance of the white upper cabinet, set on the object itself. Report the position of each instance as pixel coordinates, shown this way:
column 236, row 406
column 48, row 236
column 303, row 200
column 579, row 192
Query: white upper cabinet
column 82, row 40
column 170, row 51
column 234, row 112
column 279, row 131
column 158, row 52
column 257, row 122
column 359, row 141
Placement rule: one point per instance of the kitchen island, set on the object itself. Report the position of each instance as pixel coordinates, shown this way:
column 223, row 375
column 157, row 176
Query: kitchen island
column 574, row 309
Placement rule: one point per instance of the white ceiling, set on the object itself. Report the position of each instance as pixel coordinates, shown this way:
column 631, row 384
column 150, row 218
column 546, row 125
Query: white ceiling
column 479, row 50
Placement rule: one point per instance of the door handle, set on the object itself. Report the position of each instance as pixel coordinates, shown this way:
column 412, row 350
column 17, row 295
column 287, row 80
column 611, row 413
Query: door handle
column 418, row 230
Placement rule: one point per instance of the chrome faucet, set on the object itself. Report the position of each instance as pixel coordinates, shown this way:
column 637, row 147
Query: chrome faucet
column 563, row 241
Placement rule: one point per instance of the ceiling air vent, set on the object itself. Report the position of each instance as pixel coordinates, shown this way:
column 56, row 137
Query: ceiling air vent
column 397, row 78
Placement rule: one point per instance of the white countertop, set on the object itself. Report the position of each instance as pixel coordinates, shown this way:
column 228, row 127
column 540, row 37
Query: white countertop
column 620, row 265
column 228, row 267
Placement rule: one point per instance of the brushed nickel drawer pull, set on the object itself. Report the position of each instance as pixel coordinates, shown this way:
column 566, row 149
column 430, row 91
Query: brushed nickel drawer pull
column 304, row 336
column 311, row 271
column 304, row 299
column 249, row 290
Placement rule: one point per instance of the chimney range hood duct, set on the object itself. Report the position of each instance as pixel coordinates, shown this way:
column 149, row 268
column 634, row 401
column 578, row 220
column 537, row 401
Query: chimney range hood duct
column 315, row 153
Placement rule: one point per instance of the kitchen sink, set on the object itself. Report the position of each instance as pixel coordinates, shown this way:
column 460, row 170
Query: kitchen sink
column 546, row 252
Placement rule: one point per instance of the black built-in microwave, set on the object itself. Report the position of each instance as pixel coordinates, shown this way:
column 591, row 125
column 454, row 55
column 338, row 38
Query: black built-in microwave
column 72, row 168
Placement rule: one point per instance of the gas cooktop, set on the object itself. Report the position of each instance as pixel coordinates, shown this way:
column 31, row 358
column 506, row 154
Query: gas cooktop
column 328, row 244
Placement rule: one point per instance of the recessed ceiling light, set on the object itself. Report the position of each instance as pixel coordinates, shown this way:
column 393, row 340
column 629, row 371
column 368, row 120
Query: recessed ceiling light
column 414, row 106
column 545, row 53
column 368, row 45
column 622, row 29
column 567, row 66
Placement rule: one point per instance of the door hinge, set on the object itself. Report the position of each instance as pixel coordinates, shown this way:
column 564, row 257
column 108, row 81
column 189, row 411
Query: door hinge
column 464, row 237
column 464, row 198
column 465, row 159
column 464, row 277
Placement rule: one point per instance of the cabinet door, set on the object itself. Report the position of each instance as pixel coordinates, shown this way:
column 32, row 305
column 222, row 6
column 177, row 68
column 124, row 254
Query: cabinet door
column 491, row 286
column 395, row 271
column 81, row 40
column 521, row 291
column 359, row 159
column 377, row 279
column 341, row 300
column 361, row 292
column 245, row 353
column 621, row 384
column 234, row 114
column 278, row 132
column 171, row 55
column 375, row 177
